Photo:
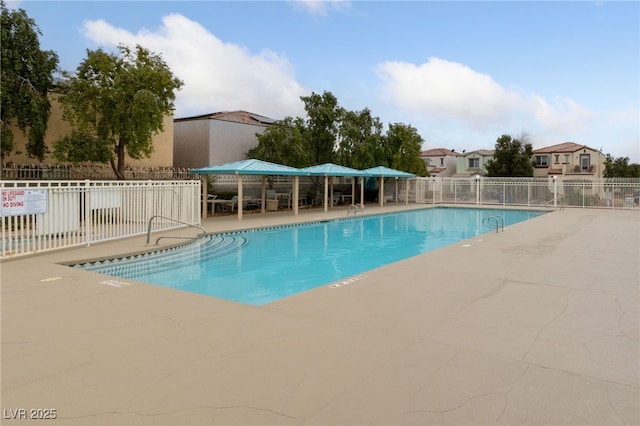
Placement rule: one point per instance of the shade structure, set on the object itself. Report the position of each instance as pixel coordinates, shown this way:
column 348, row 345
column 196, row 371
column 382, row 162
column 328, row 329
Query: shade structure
column 382, row 172
column 253, row 167
column 250, row 167
column 330, row 169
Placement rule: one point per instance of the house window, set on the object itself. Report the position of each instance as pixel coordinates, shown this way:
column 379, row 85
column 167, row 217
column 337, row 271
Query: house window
column 584, row 162
column 557, row 158
column 567, row 158
column 442, row 161
column 541, row 160
column 474, row 163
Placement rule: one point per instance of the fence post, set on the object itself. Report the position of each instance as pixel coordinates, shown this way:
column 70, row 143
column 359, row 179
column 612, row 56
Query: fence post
column 88, row 220
column 555, row 191
column 504, row 193
column 477, row 190
column 613, row 196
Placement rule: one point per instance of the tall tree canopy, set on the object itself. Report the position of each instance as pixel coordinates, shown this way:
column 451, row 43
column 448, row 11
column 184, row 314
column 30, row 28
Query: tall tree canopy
column 323, row 116
column 283, row 143
column 26, row 79
column 116, row 103
column 331, row 134
column 512, row 157
column 620, row 168
column 404, row 146
column 360, row 143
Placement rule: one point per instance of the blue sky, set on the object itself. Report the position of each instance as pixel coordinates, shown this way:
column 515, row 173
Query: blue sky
column 462, row 73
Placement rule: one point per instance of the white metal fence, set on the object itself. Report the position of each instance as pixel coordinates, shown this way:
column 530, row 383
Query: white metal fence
column 533, row 192
column 37, row 216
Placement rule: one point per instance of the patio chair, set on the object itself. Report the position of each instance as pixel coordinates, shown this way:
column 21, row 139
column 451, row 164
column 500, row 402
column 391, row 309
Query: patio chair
column 228, row 205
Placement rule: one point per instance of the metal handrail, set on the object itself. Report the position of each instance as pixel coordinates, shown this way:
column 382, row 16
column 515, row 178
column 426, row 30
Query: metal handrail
column 204, row 231
column 494, row 222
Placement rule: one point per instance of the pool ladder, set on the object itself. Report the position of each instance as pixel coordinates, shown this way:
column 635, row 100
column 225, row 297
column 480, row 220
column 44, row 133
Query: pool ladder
column 204, row 231
column 494, row 222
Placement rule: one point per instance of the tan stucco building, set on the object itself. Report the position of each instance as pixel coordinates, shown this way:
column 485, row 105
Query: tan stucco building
column 473, row 163
column 440, row 162
column 57, row 128
column 568, row 159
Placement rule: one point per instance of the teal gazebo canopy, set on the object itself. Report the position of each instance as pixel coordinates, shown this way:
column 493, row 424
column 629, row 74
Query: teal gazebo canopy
column 253, row 167
column 330, row 169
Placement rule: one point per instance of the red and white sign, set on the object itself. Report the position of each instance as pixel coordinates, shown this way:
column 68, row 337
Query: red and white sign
column 17, row 202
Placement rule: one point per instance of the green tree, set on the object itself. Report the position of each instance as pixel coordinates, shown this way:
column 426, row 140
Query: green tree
column 620, row 168
column 282, row 143
column 26, row 79
column 512, row 157
column 331, row 134
column 118, row 101
column 323, row 117
column 360, row 135
column 403, row 145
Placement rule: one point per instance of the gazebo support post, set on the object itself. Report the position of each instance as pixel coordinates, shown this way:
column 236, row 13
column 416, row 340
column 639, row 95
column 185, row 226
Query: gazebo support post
column 353, row 190
column 205, row 197
column 326, row 192
column 263, row 194
column 296, row 190
column 240, row 196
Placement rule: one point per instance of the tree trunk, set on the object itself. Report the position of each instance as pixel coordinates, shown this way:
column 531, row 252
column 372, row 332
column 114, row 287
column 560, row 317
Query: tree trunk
column 118, row 168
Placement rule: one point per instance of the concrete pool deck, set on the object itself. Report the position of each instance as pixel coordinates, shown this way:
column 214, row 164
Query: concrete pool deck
column 538, row 324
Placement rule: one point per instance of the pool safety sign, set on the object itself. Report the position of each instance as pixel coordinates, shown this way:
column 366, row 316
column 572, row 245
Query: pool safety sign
column 18, row 202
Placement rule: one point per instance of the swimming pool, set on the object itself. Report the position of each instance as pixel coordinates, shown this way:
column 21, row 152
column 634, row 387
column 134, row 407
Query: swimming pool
column 260, row 266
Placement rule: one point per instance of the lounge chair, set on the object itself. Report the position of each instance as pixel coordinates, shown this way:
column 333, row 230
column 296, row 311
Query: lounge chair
column 355, row 208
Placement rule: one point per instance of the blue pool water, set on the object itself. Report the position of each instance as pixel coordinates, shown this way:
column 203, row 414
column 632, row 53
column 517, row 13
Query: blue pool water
column 261, row 266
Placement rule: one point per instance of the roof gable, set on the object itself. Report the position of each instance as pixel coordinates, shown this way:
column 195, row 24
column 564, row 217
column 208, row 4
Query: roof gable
column 480, row 152
column 235, row 116
column 438, row 152
column 568, row 147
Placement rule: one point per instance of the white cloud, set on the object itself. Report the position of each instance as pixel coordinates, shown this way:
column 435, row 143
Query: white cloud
column 453, row 105
column 321, row 7
column 218, row 76
column 561, row 116
column 13, row 4
column 447, row 90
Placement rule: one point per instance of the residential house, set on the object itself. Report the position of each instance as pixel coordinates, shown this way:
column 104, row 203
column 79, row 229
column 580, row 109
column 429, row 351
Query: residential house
column 473, row 163
column 568, row 159
column 58, row 127
column 441, row 162
column 216, row 138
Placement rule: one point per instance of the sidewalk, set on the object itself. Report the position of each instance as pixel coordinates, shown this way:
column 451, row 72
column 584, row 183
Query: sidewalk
column 534, row 325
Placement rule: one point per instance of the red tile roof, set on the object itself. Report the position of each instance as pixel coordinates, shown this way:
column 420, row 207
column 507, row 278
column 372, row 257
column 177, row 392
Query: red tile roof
column 562, row 147
column 438, row 152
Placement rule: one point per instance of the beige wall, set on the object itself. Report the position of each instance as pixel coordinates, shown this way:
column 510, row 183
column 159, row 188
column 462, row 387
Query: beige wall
column 191, row 147
column 596, row 159
column 207, row 142
column 162, row 155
